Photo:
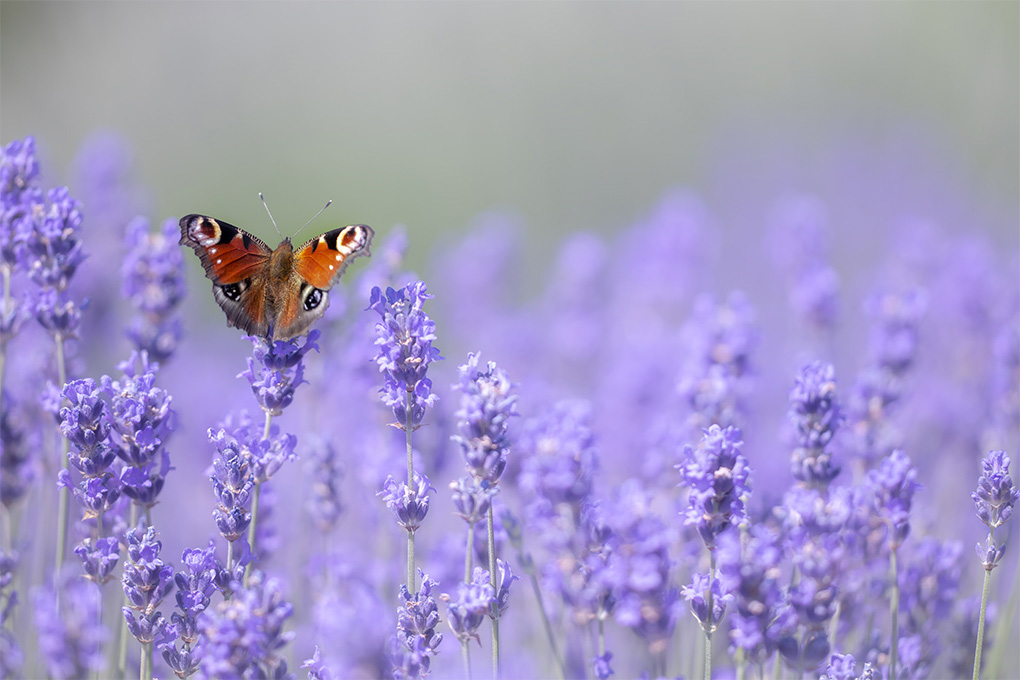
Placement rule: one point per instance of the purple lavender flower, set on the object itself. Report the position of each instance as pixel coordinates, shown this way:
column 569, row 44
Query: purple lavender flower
column 99, row 558
column 895, row 483
column 815, row 412
column 141, row 414
column 52, row 252
column 753, row 574
column 486, row 406
column 11, row 656
column 843, row 667
column 153, row 280
column 18, row 167
column 326, row 471
column 147, row 580
column 404, row 338
column 317, row 668
column 409, row 503
column 600, row 666
column 243, row 637
column 17, row 464
column 717, row 476
column 638, row 567
column 707, row 599
column 471, row 604
column 194, row 591
column 996, row 494
column 280, row 369
column 233, row 483
column 801, row 253
column 417, row 639
column 718, row 341
column 70, row 634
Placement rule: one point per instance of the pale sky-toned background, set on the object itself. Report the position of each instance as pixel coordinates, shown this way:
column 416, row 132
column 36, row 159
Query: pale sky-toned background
column 571, row 115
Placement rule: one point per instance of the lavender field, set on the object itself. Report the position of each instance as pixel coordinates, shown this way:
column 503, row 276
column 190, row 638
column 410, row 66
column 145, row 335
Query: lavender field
column 612, row 467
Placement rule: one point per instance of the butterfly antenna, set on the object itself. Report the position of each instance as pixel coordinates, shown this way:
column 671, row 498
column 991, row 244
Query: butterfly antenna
column 328, row 203
column 264, row 205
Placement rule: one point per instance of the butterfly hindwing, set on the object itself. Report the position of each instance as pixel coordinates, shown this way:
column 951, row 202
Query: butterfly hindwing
column 322, row 260
column 236, row 263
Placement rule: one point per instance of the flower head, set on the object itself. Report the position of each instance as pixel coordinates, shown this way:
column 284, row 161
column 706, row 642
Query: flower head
column 404, row 337
column 153, row 280
column 716, row 473
column 276, row 368
column 486, row 406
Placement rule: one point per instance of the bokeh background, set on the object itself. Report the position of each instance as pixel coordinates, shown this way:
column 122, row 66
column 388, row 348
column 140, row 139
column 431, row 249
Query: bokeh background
column 571, row 115
column 474, row 125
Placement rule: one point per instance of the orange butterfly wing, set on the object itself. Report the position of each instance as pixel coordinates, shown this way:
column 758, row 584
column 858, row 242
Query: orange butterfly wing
column 228, row 254
column 322, row 260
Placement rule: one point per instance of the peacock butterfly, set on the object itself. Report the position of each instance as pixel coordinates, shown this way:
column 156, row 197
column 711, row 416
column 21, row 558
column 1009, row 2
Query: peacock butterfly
column 276, row 294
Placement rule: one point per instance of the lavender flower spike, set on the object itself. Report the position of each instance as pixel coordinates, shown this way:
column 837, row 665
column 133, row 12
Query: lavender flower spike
column 996, row 494
column 717, row 475
column 404, row 338
column 280, row 370
column 486, row 406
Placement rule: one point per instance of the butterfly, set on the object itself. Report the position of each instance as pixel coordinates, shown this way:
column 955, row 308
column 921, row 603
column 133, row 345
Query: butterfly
column 275, row 294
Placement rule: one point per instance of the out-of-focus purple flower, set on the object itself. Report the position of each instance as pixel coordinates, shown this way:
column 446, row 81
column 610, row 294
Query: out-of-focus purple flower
column 472, row 498
column 707, row 599
column 243, row 637
column 486, row 406
column 600, row 666
column 17, row 463
column 404, row 338
column 153, row 280
column 468, row 608
column 1006, row 379
column 754, row 575
column 147, row 580
column 325, row 472
column 58, row 314
column 638, row 567
column 815, row 412
column 417, row 639
column 99, row 558
column 800, row 252
column 317, row 668
column 410, row 503
column 71, row 636
column 893, row 348
column 276, row 368
column 18, row 167
column 11, row 656
column 895, row 483
column 717, row 344
column 716, row 474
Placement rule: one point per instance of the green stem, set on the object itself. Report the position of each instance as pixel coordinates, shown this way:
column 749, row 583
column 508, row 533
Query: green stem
column 981, row 615
column 408, row 429
column 465, row 655
column 492, row 580
column 63, row 496
column 122, row 630
column 1003, row 629
column 469, row 553
column 560, row 670
column 709, row 626
column 894, row 606
column 255, row 507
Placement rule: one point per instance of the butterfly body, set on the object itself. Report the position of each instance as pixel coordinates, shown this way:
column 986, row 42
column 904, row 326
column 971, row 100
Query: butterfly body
column 275, row 293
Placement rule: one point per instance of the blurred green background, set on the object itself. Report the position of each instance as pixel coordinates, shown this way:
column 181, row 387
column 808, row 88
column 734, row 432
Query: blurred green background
column 571, row 115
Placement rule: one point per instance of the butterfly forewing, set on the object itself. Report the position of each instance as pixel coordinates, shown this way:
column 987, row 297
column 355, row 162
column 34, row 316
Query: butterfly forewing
column 229, row 255
column 323, row 259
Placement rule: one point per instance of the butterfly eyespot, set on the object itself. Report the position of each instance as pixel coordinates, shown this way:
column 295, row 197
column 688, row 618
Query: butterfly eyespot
column 313, row 299
column 231, row 291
